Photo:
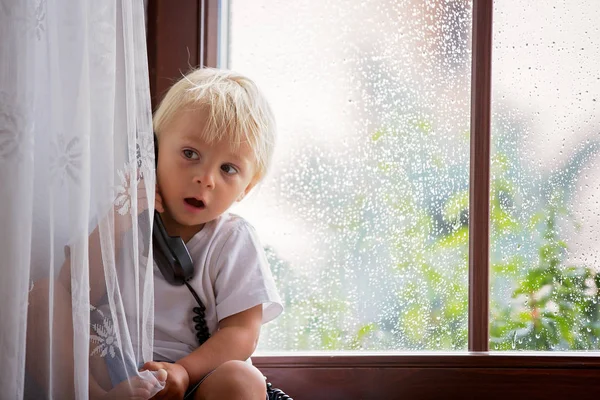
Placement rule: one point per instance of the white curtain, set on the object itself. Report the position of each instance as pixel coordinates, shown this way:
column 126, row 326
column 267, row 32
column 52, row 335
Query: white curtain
column 76, row 199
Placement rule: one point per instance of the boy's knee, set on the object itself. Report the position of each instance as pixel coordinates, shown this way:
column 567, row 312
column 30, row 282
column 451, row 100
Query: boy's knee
column 240, row 367
column 243, row 374
column 237, row 379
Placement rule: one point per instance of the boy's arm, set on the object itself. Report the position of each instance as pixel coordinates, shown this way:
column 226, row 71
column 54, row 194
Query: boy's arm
column 120, row 226
column 236, row 339
column 96, row 269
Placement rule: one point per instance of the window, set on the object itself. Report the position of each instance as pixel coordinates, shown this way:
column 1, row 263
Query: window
column 390, row 69
column 545, row 183
column 372, row 100
column 371, row 177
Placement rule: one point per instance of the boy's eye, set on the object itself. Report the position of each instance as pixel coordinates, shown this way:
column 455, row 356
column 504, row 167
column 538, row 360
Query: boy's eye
column 190, row 154
column 229, row 169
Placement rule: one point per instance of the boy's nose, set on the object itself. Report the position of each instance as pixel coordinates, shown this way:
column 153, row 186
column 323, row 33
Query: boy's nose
column 205, row 179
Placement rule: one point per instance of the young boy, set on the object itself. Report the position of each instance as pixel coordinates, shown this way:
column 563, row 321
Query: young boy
column 216, row 134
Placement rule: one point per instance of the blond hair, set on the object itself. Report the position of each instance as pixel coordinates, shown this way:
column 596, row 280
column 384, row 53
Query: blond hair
column 237, row 111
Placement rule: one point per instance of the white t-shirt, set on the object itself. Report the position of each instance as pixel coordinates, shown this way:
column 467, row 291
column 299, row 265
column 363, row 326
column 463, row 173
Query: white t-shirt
column 231, row 274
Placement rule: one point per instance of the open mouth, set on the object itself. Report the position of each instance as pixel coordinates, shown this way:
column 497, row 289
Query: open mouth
column 195, row 202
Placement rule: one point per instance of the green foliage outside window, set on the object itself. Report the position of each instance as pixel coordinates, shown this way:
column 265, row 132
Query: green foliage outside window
column 541, row 302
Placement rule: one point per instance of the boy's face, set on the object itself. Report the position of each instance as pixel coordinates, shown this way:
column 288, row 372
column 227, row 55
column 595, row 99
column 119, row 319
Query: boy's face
column 198, row 181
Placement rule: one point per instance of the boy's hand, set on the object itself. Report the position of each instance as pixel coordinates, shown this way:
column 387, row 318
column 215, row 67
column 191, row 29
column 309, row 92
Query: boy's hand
column 134, row 388
column 123, row 204
column 143, row 199
column 177, row 383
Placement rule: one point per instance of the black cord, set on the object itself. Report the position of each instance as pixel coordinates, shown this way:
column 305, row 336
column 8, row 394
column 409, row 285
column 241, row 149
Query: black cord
column 276, row 394
column 203, row 335
column 199, row 319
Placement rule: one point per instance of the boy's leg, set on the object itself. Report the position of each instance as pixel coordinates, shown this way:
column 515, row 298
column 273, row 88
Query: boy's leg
column 115, row 377
column 38, row 346
column 38, row 349
column 233, row 380
column 99, row 369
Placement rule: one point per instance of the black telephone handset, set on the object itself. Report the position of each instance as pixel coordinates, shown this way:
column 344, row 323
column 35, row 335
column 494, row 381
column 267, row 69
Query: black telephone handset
column 170, row 252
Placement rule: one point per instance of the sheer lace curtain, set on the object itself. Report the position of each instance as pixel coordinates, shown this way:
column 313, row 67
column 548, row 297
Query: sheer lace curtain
column 76, row 178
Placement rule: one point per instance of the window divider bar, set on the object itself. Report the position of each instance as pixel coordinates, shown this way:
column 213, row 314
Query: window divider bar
column 209, row 33
column 479, row 176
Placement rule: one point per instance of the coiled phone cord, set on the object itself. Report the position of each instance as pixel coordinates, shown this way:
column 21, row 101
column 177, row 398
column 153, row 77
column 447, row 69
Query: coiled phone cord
column 202, row 335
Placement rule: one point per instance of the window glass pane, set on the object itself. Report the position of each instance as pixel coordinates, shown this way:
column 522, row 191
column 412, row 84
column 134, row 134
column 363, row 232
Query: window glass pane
column 545, row 175
column 364, row 215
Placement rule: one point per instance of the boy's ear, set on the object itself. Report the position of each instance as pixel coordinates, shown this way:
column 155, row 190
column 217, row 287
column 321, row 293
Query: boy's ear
column 248, row 189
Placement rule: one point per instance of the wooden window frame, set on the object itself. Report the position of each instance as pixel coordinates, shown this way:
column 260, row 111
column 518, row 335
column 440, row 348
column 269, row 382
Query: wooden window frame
column 183, row 34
